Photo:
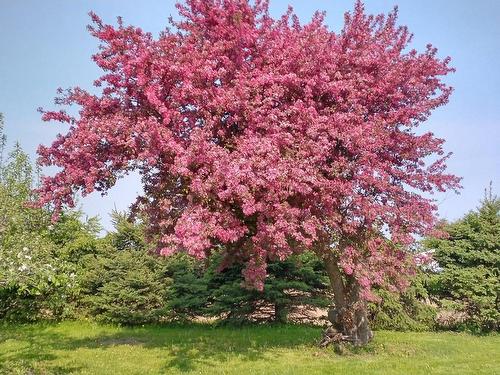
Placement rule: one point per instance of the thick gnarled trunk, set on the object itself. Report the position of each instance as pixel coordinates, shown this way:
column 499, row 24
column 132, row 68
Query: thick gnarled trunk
column 349, row 314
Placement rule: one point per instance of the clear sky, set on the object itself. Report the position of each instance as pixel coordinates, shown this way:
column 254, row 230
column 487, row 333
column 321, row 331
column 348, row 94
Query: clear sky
column 45, row 45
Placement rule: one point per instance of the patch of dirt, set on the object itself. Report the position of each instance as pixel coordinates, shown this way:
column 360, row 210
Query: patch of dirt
column 309, row 315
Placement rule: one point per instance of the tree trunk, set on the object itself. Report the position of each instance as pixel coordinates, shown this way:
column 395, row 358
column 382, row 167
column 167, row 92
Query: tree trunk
column 280, row 313
column 349, row 314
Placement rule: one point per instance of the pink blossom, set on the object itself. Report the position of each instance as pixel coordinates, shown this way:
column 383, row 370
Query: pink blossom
column 263, row 137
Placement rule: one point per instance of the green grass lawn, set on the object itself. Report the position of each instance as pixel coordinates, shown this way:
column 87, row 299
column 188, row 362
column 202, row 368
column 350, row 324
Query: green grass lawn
column 87, row 348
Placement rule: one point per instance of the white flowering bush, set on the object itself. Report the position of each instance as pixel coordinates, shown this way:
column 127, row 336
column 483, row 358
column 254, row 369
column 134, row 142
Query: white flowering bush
column 34, row 283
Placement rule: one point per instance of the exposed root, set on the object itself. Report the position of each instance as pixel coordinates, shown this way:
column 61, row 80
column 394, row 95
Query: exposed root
column 332, row 336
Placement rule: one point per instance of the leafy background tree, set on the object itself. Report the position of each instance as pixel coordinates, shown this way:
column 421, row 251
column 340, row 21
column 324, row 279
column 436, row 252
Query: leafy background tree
column 34, row 281
column 39, row 260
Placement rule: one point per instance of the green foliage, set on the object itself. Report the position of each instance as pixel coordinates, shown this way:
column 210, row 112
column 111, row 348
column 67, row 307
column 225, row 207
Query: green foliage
column 73, row 236
column 35, row 284
column 16, row 182
column 123, row 283
column 470, row 260
column 3, row 139
column 188, row 293
column 34, row 281
column 128, row 234
column 38, row 259
column 407, row 311
column 126, row 288
column 195, row 291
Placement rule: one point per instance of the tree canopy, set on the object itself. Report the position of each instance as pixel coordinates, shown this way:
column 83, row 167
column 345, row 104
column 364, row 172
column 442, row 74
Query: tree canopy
column 263, row 136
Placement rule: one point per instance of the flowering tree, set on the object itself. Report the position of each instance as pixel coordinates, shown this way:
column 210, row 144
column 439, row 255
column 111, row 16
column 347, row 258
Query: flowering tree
column 265, row 137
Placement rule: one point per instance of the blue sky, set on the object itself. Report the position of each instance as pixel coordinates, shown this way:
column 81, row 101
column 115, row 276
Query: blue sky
column 44, row 45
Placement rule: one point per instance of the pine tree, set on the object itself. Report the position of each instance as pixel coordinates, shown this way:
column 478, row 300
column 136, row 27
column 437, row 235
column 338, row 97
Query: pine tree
column 470, row 262
column 123, row 282
column 221, row 293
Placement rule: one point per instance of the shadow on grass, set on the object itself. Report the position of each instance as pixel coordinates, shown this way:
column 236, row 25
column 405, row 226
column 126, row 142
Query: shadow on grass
column 186, row 347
